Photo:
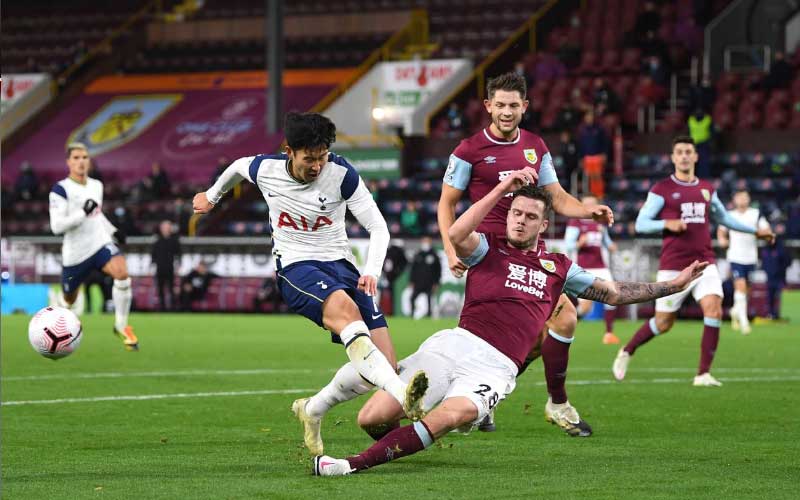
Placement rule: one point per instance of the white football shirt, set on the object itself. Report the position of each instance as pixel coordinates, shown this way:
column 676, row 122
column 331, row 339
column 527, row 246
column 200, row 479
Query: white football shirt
column 307, row 220
column 743, row 247
column 83, row 235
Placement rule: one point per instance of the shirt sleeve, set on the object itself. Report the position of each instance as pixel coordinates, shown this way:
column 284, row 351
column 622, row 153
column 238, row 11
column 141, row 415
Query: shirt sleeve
column 646, row 220
column 547, row 172
column 479, row 253
column 458, row 173
column 578, row 280
column 61, row 220
column 607, row 242
column 233, row 175
column 372, row 220
column 722, row 216
column 571, row 238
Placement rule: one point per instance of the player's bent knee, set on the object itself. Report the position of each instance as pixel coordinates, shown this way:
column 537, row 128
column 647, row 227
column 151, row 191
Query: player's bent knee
column 664, row 324
column 339, row 310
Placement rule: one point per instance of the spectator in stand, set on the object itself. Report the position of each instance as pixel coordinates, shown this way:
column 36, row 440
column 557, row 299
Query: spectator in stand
column 159, row 181
column 194, row 286
column 410, row 219
column 393, row 267
column 222, row 163
column 702, row 95
column 166, row 254
column 780, row 73
column 26, row 186
column 182, row 212
column 648, row 20
column 455, row 120
column 654, row 68
column 701, row 129
column 568, row 150
column 652, row 45
column 593, row 147
column 775, row 260
column 426, row 271
column 606, row 100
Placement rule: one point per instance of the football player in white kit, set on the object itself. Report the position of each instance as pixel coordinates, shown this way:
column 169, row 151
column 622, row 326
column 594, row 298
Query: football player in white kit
column 308, row 190
column 76, row 212
column 742, row 255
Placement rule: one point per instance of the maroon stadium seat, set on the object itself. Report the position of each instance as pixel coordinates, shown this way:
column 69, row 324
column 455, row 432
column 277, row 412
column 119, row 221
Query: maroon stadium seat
column 631, row 60
column 611, row 61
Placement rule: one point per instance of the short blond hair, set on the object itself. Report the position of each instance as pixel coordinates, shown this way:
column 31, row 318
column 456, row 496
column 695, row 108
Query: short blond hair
column 75, row 145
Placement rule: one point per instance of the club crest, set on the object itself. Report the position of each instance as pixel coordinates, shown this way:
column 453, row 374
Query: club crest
column 530, row 155
column 706, row 194
column 548, row 265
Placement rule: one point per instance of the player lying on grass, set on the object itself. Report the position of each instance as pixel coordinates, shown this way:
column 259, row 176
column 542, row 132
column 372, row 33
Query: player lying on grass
column 308, row 190
column 512, row 287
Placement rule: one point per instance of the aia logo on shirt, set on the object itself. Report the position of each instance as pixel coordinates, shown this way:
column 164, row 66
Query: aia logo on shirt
column 301, row 223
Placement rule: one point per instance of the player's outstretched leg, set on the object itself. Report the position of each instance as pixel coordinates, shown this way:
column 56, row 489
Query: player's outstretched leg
column 403, row 441
column 644, row 334
column 347, row 384
column 708, row 348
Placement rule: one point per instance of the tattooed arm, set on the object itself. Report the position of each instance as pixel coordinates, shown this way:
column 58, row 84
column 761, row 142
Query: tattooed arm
column 625, row 292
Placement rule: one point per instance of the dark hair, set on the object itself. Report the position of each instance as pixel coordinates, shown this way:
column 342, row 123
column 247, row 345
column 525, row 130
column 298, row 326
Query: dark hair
column 308, row 131
column 535, row 193
column 510, row 82
column 682, row 139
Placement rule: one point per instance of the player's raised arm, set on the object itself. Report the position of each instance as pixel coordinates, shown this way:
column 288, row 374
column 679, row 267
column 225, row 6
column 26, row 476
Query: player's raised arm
column 61, row 220
column 462, row 233
column 231, row 176
column 586, row 286
column 362, row 206
column 567, row 205
column 723, row 217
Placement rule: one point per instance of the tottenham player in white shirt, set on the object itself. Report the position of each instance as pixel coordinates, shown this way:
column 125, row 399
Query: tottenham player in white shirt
column 308, row 191
column 76, row 212
column 742, row 255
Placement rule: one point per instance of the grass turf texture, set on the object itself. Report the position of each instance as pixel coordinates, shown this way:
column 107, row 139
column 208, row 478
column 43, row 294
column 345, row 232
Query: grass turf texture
column 655, row 435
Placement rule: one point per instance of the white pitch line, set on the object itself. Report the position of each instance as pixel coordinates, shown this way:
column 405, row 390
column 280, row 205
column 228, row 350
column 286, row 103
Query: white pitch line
column 145, row 397
column 168, row 373
column 278, row 371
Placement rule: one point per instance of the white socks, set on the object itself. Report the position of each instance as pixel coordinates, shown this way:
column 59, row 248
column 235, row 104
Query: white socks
column 347, row 384
column 369, row 361
column 740, row 308
column 122, row 295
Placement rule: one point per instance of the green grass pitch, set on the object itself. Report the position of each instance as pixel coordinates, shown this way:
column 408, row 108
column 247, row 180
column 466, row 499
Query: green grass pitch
column 202, row 411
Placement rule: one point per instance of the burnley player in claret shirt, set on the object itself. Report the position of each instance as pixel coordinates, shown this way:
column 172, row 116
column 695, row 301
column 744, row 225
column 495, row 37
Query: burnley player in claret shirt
column 480, row 163
column 512, row 286
column 680, row 208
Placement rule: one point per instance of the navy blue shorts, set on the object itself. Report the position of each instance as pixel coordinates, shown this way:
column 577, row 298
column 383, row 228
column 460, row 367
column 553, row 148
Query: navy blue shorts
column 305, row 286
column 73, row 276
column 742, row 270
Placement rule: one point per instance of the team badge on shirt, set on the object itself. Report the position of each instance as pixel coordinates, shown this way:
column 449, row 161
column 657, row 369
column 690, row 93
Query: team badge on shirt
column 530, row 155
column 706, row 194
column 548, row 265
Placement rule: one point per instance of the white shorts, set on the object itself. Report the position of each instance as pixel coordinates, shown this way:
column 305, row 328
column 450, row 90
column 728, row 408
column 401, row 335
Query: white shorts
column 460, row 364
column 709, row 283
column 602, row 273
